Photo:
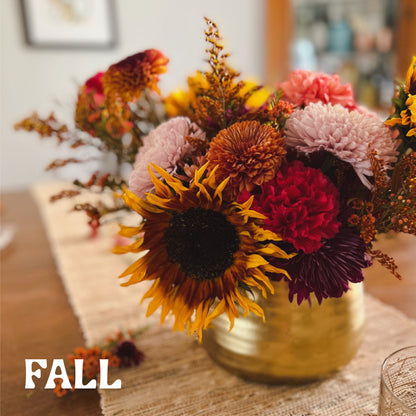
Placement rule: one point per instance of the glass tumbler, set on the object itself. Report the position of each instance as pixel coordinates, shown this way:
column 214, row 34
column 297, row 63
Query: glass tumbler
column 398, row 384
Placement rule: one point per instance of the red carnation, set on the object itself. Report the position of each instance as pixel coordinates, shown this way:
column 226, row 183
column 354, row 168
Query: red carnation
column 301, row 205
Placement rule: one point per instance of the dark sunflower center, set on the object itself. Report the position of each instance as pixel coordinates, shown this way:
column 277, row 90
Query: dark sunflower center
column 202, row 242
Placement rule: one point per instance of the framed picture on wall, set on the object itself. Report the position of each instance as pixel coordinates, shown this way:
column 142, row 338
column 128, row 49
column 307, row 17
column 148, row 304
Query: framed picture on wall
column 69, row 23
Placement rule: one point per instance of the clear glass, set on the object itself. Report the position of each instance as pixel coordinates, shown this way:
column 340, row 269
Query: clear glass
column 398, row 384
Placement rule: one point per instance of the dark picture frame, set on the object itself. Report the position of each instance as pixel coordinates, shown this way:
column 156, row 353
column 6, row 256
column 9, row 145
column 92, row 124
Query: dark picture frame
column 66, row 24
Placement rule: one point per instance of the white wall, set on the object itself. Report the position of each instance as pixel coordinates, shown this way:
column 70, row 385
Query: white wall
column 44, row 80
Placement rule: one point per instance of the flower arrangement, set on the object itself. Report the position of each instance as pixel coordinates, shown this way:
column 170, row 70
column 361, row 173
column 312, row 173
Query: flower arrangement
column 236, row 188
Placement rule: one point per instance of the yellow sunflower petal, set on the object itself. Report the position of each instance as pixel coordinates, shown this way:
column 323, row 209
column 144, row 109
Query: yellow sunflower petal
column 139, row 205
column 248, row 305
column 160, row 188
column 210, row 179
column 247, row 205
column 220, row 188
column 136, row 247
column 393, row 121
column 176, row 184
column 273, row 269
column 129, row 231
column 262, row 235
column 410, row 76
column 218, row 310
column 252, row 214
column 255, row 260
column 253, row 283
column 261, row 277
column 411, row 132
column 274, row 251
column 200, row 173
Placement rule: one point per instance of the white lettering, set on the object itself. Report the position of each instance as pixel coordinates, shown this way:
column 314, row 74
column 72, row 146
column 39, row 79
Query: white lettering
column 92, row 384
column 29, row 384
column 104, row 377
column 62, row 374
column 50, row 384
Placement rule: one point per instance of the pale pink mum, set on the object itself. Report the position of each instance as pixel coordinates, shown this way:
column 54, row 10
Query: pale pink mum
column 346, row 134
column 305, row 87
column 164, row 146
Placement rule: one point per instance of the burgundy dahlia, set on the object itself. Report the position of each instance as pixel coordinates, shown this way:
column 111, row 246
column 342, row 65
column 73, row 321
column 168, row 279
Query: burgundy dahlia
column 301, row 205
column 328, row 271
column 129, row 354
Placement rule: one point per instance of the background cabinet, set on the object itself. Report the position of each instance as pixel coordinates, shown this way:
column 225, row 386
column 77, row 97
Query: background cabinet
column 369, row 43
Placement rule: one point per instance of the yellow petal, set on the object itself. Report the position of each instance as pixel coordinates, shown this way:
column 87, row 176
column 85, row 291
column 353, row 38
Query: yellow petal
column 247, row 204
column 176, row 184
column 411, row 132
column 210, row 180
column 252, row 214
column 160, row 188
column 218, row 310
column 393, row 121
column 254, row 260
column 220, row 188
column 136, row 247
column 200, row 173
column 129, row 231
column 273, row 269
column 410, row 74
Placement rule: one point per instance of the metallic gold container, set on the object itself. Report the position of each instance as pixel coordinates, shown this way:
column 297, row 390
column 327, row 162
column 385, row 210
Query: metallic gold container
column 296, row 344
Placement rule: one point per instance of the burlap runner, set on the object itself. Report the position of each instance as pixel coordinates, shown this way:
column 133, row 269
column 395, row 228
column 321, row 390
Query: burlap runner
column 178, row 377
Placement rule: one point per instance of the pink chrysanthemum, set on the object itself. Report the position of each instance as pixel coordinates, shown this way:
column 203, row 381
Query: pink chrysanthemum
column 164, row 146
column 346, row 134
column 301, row 204
column 305, row 87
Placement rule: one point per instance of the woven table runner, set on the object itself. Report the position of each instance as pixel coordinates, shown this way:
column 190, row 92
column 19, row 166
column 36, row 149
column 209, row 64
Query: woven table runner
column 177, row 376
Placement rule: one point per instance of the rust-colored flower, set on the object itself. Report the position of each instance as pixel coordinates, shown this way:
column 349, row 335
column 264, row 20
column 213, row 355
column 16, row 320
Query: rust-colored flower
column 354, row 219
column 93, row 117
column 127, row 79
column 249, row 153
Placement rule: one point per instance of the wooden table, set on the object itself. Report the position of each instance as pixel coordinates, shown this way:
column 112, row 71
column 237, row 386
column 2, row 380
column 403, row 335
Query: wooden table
column 37, row 320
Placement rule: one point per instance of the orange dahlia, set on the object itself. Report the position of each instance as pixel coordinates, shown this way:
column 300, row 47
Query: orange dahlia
column 127, row 79
column 248, row 153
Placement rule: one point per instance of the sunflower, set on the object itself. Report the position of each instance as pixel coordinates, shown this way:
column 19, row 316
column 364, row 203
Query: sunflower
column 404, row 117
column 198, row 249
column 410, row 86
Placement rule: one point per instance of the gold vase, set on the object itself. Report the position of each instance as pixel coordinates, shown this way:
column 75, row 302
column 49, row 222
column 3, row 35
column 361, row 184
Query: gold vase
column 296, row 344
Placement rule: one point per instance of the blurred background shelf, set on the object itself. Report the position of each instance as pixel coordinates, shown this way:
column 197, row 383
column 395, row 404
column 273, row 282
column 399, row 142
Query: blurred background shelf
column 369, row 43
